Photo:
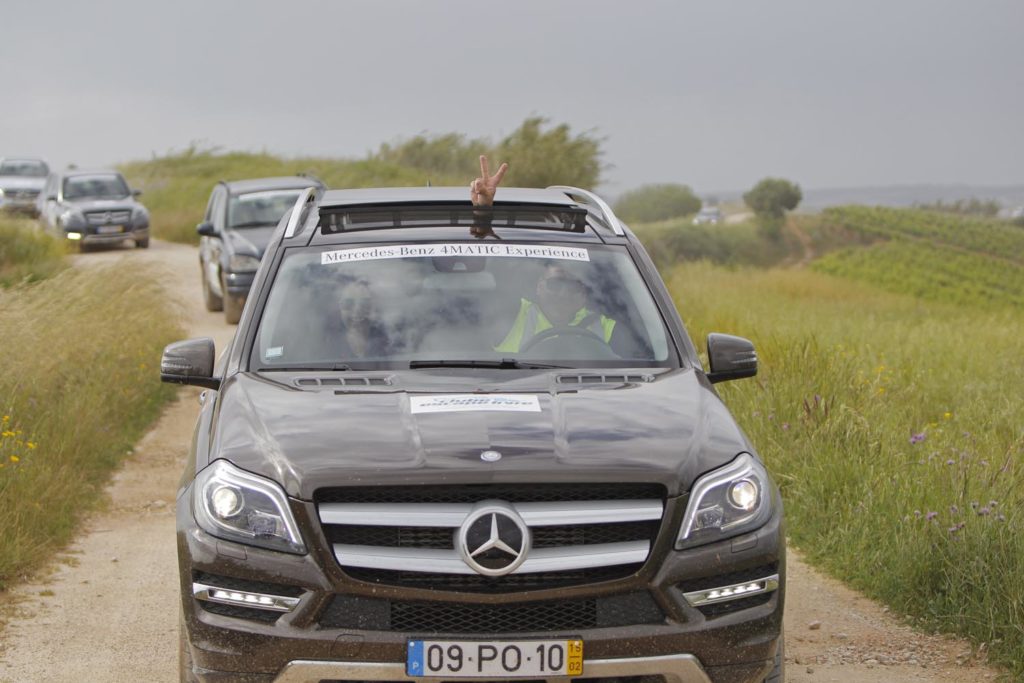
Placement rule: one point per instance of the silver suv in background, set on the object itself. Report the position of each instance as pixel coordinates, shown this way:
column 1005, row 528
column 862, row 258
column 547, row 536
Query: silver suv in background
column 708, row 215
column 93, row 207
column 21, row 181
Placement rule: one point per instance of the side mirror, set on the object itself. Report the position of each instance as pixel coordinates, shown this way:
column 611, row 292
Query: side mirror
column 136, row 193
column 189, row 362
column 730, row 357
column 206, row 229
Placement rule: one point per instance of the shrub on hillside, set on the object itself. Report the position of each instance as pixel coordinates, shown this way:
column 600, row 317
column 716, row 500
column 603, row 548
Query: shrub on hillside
column 770, row 199
column 538, row 158
column 652, row 203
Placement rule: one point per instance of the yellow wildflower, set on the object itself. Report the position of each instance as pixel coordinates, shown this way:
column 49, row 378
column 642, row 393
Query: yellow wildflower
column 30, row 445
column 15, row 458
column 7, row 418
column 947, row 415
column 6, row 433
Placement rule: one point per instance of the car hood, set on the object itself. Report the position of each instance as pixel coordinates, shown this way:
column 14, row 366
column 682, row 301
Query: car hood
column 124, row 204
column 667, row 427
column 17, row 182
column 251, row 240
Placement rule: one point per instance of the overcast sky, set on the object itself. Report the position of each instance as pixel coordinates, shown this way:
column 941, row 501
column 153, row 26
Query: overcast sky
column 716, row 94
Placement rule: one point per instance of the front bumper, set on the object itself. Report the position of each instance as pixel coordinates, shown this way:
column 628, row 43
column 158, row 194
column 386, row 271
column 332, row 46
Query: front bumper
column 91, row 236
column 686, row 644
column 238, row 284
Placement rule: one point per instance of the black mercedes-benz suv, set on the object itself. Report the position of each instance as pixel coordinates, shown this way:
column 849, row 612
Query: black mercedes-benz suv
column 240, row 218
column 459, row 442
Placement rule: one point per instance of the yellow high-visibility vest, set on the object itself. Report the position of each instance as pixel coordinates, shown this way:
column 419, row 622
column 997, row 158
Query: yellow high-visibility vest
column 531, row 321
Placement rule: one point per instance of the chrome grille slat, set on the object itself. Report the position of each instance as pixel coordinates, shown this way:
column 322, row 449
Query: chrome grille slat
column 108, row 217
column 449, row 562
column 452, row 514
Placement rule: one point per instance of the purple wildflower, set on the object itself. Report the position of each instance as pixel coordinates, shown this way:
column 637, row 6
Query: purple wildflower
column 956, row 527
column 785, row 426
column 931, row 515
column 953, row 510
column 951, row 461
column 916, row 438
column 917, row 513
column 992, row 504
column 984, row 511
column 974, row 505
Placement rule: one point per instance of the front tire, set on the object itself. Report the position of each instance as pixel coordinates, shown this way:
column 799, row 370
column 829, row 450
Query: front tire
column 142, row 243
column 213, row 302
column 778, row 674
column 186, row 673
column 232, row 305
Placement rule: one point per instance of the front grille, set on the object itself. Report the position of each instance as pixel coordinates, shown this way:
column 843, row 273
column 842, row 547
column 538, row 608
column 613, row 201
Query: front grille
column 406, row 535
column 108, row 217
column 568, row 616
column 589, row 679
column 472, row 493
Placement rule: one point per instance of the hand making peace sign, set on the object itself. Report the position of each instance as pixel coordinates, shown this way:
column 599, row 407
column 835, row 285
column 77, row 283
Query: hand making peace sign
column 482, row 190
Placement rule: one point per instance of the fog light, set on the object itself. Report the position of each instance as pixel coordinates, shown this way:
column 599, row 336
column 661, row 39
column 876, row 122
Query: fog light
column 74, row 235
column 743, row 494
column 276, row 603
column 227, row 501
column 732, row 592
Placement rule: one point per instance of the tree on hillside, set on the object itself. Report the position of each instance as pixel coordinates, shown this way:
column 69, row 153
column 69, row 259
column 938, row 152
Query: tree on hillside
column 770, row 199
column 447, row 154
column 651, row 203
column 538, row 158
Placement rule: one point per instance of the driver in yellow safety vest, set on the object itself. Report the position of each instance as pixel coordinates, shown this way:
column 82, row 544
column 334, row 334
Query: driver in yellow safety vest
column 561, row 297
column 561, row 300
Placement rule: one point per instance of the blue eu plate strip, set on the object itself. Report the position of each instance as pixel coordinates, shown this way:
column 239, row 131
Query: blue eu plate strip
column 414, row 662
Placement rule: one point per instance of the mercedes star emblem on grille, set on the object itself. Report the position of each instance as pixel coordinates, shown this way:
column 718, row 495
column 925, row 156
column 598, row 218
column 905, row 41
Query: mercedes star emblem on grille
column 493, row 539
column 490, row 456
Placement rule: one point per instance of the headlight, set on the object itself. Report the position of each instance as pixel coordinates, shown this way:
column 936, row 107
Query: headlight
column 140, row 215
column 235, row 505
column 242, row 263
column 72, row 218
column 729, row 501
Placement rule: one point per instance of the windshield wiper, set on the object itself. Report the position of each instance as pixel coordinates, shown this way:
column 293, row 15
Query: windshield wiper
column 503, row 364
column 252, row 224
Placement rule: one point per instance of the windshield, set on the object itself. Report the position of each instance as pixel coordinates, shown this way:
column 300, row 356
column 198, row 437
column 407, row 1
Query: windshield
column 105, row 186
column 492, row 304
column 26, row 168
column 258, row 209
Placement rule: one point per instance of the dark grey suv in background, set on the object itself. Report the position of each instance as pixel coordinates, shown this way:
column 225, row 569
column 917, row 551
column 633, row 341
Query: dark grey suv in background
column 240, row 218
column 92, row 208
column 454, row 442
column 21, row 181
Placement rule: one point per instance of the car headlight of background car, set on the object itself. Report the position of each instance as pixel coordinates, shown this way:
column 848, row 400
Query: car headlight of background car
column 236, row 505
column 72, row 218
column 140, row 217
column 726, row 502
column 243, row 263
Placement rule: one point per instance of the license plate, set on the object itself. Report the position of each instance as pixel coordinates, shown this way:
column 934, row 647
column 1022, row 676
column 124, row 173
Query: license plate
column 494, row 658
column 107, row 229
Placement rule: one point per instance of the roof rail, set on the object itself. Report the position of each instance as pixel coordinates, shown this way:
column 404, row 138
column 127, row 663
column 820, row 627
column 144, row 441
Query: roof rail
column 607, row 215
column 300, row 204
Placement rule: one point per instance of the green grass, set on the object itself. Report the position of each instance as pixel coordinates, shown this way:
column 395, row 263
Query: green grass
column 80, row 386
column 26, row 253
column 177, row 186
column 895, row 429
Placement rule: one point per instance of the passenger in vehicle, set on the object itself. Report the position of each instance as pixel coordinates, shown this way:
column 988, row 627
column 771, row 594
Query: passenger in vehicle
column 363, row 335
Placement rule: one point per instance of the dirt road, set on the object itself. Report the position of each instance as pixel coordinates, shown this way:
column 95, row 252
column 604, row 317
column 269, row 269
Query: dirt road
column 107, row 608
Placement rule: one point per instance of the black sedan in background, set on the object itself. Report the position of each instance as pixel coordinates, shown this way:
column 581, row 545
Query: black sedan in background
column 240, row 218
column 93, row 207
